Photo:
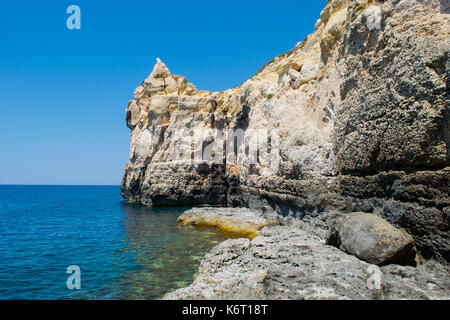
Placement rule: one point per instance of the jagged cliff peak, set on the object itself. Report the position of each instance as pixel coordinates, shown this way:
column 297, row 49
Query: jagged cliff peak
column 160, row 69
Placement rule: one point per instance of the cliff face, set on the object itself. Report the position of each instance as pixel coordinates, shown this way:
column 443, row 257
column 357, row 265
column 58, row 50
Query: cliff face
column 354, row 118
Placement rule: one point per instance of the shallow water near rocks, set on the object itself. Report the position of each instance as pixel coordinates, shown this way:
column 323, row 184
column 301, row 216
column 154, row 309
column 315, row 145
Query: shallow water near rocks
column 124, row 250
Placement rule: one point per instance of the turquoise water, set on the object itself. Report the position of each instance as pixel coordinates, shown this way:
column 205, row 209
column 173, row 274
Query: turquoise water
column 124, row 251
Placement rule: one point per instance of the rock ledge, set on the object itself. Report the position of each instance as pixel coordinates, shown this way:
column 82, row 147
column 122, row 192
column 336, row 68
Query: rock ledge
column 291, row 262
column 235, row 223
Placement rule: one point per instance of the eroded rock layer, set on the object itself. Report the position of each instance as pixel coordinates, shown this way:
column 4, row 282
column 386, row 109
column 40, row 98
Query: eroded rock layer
column 360, row 109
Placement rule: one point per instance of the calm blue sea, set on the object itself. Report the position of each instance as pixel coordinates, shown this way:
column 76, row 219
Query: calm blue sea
column 124, row 251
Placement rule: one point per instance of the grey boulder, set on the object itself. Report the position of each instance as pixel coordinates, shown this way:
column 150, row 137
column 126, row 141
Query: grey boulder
column 373, row 239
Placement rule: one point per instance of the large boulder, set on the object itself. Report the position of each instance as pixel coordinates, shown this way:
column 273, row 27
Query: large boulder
column 373, row 239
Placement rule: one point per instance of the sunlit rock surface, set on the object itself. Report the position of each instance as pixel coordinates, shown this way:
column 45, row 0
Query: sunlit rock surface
column 232, row 222
column 286, row 262
column 358, row 115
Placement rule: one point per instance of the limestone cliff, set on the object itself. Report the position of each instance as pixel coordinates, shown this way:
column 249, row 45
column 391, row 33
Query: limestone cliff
column 356, row 119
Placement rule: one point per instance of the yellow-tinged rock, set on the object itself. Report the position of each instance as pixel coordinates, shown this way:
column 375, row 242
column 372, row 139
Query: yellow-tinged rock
column 231, row 222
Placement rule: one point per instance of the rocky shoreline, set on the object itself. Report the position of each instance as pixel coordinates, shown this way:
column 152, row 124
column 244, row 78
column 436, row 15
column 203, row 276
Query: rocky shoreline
column 294, row 261
column 353, row 122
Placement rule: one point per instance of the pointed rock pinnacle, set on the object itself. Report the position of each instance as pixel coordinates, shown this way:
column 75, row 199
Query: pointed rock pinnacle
column 160, row 69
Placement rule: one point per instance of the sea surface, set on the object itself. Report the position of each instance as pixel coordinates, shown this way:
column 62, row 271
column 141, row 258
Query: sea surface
column 123, row 250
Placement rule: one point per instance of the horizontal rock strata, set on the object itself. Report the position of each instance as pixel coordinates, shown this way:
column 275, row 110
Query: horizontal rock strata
column 356, row 119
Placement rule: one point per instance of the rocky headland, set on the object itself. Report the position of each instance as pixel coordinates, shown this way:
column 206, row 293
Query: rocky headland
column 351, row 159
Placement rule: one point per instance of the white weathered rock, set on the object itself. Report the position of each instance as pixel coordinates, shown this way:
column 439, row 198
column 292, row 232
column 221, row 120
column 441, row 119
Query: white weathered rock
column 366, row 130
column 308, row 73
column 373, row 16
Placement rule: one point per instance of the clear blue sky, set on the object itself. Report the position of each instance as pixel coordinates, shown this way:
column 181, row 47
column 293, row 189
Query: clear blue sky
column 64, row 93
